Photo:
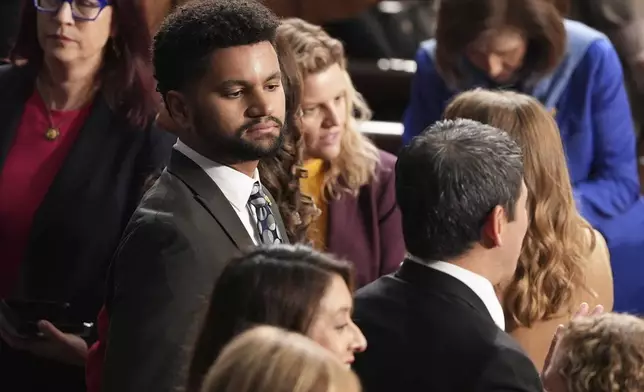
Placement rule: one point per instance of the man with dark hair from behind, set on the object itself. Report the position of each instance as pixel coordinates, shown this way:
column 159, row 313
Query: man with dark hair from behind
column 219, row 74
column 436, row 324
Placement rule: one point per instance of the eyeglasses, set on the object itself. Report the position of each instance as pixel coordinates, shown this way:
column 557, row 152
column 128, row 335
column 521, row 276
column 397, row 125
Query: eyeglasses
column 87, row 10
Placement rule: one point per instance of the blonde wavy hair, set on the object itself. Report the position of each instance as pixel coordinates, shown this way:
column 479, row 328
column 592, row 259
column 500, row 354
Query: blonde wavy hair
column 602, row 353
column 269, row 359
column 314, row 52
column 558, row 241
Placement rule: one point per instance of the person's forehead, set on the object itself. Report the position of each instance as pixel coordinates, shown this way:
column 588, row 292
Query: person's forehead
column 324, row 85
column 250, row 63
column 503, row 39
column 337, row 296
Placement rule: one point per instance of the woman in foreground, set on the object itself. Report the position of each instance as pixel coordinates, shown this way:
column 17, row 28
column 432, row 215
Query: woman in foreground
column 269, row 359
column 292, row 287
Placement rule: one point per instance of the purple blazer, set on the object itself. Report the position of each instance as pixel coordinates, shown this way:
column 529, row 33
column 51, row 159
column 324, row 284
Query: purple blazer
column 367, row 230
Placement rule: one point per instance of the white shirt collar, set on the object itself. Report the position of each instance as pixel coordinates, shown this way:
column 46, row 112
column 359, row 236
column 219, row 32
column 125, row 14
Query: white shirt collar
column 482, row 287
column 236, row 186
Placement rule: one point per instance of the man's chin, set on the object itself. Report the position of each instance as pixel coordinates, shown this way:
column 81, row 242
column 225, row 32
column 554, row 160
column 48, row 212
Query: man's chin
column 265, row 142
column 256, row 149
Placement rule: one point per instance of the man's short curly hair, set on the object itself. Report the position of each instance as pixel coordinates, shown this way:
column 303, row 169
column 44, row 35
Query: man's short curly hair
column 603, row 353
column 188, row 36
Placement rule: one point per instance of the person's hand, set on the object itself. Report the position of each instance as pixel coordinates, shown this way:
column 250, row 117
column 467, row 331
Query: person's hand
column 583, row 311
column 52, row 344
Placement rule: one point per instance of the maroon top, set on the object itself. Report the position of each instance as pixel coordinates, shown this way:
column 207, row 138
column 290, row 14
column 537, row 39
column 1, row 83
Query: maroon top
column 28, row 171
column 367, row 229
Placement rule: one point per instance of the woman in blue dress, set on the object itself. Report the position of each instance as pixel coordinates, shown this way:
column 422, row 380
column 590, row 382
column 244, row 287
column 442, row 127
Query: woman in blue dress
column 526, row 46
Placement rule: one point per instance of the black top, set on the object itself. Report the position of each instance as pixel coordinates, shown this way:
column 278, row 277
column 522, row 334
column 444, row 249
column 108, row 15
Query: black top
column 428, row 331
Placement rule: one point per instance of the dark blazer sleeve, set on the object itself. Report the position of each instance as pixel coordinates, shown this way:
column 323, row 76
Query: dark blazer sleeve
column 392, row 243
column 509, row 370
column 151, row 312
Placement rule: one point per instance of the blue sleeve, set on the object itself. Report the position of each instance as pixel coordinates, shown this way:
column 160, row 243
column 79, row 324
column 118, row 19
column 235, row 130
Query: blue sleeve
column 427, row 97
column 614, row 182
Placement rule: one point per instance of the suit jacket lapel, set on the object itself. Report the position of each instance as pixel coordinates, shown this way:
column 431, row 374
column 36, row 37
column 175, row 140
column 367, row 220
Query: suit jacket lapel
column 210, row 196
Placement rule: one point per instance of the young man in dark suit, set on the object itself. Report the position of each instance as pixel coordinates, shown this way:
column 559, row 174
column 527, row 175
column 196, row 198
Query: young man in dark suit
column 436, row 324
column 219, row 73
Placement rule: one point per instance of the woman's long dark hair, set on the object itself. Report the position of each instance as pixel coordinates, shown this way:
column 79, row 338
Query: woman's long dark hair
column 277, row 285
column 127, row 79
column 281, row 174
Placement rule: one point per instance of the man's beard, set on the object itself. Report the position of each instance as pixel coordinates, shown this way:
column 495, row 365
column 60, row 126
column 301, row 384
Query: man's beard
column 235, row 149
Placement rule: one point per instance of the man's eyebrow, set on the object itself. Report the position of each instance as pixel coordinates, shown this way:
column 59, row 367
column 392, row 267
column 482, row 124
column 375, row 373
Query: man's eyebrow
column 245, row 83
column 274, row 75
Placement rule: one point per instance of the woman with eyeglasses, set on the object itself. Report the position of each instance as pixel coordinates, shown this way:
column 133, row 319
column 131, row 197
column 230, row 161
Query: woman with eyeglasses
column 77, row 148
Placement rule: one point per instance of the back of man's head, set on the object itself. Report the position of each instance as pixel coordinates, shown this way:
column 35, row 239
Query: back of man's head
column 189, row 36
column 449, row 180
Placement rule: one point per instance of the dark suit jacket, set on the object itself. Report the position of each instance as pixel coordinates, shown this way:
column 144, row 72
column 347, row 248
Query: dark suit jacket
column 172, row 252
column 9, row 25
column 78, row 225
column 427, row 331
column 367, row 229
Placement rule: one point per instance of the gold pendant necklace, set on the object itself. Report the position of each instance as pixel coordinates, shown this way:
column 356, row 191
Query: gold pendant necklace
column 52, row 133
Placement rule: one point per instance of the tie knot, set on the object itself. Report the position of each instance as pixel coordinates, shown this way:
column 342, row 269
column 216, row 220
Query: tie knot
column 257, row 197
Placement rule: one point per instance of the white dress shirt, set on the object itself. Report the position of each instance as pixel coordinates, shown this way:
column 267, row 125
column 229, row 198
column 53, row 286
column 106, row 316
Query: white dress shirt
column 482, row 287
column 236, row 187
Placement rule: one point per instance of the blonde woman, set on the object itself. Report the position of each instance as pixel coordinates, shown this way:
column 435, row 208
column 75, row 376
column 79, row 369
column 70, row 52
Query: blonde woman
column 268, row 359
column 563, row 261
column 350, row 180
column 601, row 353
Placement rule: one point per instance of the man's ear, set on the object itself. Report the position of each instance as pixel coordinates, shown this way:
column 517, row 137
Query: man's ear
column 493, row 228
column 176, row 114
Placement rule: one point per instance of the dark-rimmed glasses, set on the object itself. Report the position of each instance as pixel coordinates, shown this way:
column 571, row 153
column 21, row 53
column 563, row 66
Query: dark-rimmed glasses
column 87, row 10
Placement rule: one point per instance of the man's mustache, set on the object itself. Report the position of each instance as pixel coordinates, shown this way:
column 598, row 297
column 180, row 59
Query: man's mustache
column 247, row 126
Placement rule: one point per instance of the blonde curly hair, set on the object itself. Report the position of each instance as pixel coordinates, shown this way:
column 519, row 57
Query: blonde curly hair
column 558, row 241
column 603, row 353
column 314, row 52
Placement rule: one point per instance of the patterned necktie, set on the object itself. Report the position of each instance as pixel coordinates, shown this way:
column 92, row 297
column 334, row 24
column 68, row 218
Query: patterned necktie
column 266, row 225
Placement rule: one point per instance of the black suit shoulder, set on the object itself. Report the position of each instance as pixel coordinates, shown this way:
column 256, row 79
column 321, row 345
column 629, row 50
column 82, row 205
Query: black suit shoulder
column 421, row 339
column 509, row 369
column 162, row 276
